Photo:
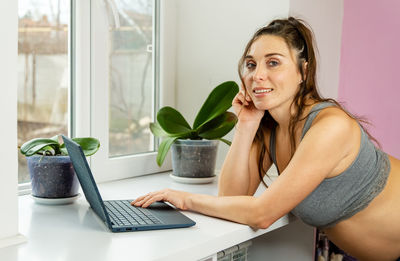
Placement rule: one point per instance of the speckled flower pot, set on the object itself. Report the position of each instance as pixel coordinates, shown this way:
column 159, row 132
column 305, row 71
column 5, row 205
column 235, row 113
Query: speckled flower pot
column 194, row 158
column 52, row 176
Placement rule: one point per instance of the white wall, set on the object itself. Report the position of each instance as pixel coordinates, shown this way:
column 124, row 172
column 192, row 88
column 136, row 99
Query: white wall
column 8, row 130
column 211, row 36
column 325, row 18
column 168, row 27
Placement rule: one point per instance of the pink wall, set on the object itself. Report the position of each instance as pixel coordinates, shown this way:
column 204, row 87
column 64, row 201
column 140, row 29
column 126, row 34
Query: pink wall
column 370, row 67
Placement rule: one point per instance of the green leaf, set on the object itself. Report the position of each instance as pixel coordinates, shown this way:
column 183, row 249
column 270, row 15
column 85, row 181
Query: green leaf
column 157, row 130
column 55, row 138
column 89, row 145
column 226, row 141
column 164, row 148
column 172, row 121
column 63, row 150
column 33, row 146
column 48, row 150
column 217, row 121
column 57, row 150
column 217, row 102
column 218, row 127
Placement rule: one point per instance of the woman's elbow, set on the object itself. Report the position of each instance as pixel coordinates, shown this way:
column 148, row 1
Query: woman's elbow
column 261, row 223
column 259, row 219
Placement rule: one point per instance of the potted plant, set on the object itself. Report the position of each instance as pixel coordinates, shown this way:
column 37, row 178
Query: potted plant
column 194, row 148
column 52, row 174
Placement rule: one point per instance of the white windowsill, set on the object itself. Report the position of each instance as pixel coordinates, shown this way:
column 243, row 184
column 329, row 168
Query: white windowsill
column 74, row 232
column 24, row 189
column 11, row 241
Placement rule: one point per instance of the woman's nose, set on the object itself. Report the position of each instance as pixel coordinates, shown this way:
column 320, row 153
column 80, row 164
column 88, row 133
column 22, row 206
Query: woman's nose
column 260, row 74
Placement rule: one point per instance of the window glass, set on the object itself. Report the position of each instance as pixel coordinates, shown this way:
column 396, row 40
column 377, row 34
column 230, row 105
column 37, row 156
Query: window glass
column 131, row 76
column 43, row 72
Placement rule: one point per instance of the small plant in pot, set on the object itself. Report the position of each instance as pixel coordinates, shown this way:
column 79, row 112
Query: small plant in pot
column 194, row 148
column 52, row 174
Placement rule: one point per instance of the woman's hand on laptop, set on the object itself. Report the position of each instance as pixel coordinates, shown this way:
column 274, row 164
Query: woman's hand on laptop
column 177, row 198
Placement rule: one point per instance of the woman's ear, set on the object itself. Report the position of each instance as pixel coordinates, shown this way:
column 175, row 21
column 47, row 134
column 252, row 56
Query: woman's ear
column 305, row 66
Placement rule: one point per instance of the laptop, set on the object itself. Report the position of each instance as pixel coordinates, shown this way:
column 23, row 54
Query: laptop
column 119, row 215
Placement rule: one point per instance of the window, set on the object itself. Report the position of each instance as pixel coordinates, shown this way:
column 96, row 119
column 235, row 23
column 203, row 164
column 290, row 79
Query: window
column 91, row 67
column 124, row 86
column 131, row 78
column 43, row 72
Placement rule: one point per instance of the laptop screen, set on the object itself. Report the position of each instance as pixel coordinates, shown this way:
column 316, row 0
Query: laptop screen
column 85, row 177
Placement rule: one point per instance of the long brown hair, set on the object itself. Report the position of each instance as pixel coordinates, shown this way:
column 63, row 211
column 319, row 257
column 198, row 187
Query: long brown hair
column 299, row 37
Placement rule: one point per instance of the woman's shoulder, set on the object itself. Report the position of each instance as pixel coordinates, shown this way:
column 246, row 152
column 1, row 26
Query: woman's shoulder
column 336, row 119
column 336, row 132
column 329, row 111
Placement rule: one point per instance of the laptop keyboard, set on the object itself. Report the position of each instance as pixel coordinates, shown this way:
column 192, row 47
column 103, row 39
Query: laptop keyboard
column 122, row 213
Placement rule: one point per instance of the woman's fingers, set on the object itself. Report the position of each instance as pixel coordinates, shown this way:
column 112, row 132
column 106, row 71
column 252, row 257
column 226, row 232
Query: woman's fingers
column 152, row 200
column 176, row 198
column 139, row 201
column 248, row 98
column 240, row 99
column 245, row 94
column 148, row 199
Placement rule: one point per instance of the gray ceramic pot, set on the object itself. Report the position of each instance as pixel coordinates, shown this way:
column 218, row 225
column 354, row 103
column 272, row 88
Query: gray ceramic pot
column 52, row 176
column 194, row 158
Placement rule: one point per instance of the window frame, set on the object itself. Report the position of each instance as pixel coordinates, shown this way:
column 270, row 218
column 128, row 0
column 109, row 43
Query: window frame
column 82, row 102
column 91, row 64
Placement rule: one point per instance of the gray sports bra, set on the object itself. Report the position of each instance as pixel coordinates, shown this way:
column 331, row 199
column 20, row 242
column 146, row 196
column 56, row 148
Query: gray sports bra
column 342, row 196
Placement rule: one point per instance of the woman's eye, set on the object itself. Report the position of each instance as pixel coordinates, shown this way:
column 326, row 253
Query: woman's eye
column 250, row 65
column 273, row 63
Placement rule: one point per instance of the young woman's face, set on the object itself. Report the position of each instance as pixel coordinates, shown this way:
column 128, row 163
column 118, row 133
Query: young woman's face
column 271, row 75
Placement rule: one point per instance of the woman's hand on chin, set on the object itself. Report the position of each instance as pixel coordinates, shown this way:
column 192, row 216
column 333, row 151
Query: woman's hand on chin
column 245, row 109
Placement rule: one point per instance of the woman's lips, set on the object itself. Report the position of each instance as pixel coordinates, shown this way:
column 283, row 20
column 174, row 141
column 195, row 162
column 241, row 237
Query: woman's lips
column 258, row 92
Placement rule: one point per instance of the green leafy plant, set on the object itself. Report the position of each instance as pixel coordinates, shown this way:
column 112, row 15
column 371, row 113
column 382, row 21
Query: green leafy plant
column 213, row 121
column 52, row 147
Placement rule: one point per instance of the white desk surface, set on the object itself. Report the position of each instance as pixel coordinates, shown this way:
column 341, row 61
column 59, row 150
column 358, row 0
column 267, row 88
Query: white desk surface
column 74, row 232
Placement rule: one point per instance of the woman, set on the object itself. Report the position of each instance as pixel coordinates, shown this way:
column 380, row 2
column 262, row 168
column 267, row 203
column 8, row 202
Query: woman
column 331, row 174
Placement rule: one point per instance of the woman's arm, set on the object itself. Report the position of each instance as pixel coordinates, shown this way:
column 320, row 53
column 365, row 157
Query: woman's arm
column 325, row 145
column 239, row 173
column 241, row 209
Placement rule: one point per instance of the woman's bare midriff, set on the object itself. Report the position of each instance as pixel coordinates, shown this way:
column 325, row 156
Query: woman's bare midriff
column 374, row 233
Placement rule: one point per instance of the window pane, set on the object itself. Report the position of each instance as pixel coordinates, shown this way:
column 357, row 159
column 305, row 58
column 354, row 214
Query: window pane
column 43, row 72
column 131, row 77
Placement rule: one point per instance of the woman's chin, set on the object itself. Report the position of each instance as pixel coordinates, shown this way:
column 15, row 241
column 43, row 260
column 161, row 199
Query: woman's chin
column 262, row 106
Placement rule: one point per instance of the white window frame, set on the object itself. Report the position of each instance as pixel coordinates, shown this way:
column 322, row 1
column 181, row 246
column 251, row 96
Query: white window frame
column 80, row 95
column 90, row 90
column 9, row 234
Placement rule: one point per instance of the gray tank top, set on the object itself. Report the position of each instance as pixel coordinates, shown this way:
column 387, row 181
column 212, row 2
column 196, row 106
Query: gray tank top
column 342, row 196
